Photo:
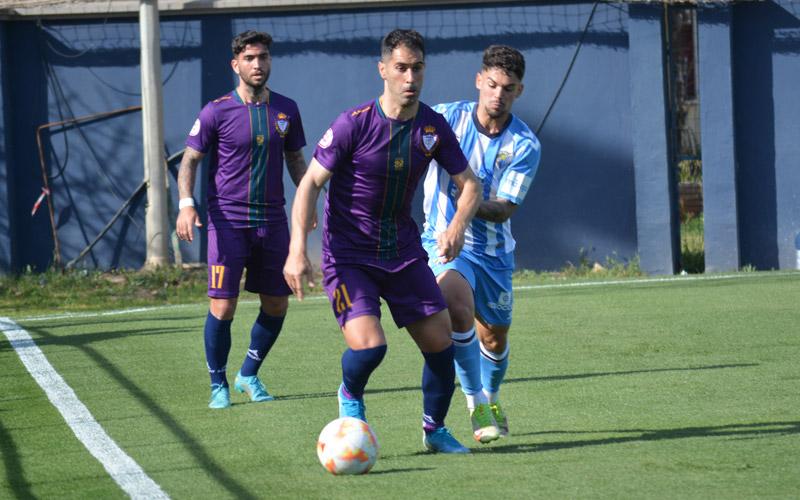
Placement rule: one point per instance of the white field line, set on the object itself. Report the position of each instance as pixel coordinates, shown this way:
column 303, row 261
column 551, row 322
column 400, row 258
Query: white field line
column 631, row 281
column 122, row 468
column 666, row 279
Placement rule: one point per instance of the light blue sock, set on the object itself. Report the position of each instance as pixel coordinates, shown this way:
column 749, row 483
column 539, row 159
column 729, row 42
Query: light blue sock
column 493, row 368
column 468, row 361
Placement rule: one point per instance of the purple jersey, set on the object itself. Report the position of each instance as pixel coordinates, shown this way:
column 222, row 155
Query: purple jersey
column 245, row 144
column 376, row 163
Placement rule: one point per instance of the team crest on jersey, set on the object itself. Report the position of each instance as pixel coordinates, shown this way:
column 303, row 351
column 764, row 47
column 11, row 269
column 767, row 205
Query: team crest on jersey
column 282, row 124
column 398, row 164
column 260, row 140
column 503, row 159
column 430, row 139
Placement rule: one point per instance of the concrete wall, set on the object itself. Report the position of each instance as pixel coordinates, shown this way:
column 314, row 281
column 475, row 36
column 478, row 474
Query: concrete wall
column 603, row 189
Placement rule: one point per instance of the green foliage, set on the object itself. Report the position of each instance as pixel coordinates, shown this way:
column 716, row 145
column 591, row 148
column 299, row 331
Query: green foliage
column 586, row 268
column 82, row 289
column 690, row 171
column 693, row 256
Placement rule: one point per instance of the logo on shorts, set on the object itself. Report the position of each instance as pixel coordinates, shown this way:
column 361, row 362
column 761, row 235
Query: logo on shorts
column 195, row 128
column 282, row 124
column 503, row 303
column 429, row 139
column 327, row 139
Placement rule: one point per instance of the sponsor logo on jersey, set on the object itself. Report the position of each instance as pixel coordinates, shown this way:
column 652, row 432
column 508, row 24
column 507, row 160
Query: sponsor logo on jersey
column 327, row 139
column 430, row 139
column 260, row 140
column 195, row 128
column 282, row 124
column 362, row 110
column 398, row 164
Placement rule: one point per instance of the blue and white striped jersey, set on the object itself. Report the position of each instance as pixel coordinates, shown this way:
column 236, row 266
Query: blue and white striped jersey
column 505, row 163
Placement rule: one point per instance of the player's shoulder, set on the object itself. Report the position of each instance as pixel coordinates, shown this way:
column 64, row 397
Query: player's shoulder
column 523, row 133
column 222, row 101
column 360, row 112
column 431, row 113
column 454, row 107
column 281, row 101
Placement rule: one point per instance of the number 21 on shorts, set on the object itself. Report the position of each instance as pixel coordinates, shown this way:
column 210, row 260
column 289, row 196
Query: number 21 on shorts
column 341, row 299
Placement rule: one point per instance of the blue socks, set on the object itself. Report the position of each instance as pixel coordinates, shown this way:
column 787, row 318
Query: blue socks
column 468, row 365
column 493, row 369
column 262, row 336
column 217, row 336
column 357, row 366
column 438, row 384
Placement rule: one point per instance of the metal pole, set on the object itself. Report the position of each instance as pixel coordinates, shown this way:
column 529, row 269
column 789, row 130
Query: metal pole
column 156, row 231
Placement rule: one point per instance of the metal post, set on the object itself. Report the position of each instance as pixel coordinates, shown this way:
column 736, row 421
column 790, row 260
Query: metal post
column 157, row 232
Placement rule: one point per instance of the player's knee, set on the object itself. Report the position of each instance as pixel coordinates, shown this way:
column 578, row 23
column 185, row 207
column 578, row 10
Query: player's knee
column 495, row 341
column 462, row 317
column 223, row 309
column 274, row 306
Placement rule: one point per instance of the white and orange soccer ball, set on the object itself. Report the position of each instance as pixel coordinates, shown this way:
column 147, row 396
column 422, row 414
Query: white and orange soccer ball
column 347, row 445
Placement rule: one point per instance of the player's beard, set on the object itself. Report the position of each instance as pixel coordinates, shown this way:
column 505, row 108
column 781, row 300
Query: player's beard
column 257, row 87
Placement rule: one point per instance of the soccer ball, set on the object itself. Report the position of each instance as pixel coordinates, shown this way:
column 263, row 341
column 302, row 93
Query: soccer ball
column 347, row 445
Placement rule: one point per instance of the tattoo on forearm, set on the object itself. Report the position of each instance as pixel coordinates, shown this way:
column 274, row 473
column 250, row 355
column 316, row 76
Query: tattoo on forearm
column 296, row 165
column 493, row 211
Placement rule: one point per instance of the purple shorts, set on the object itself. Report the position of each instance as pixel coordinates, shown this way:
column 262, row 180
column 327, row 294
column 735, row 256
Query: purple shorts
column 262, row 250
column 355, row 290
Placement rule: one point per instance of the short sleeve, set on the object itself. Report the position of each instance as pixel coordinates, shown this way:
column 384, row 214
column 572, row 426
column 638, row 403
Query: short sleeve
column 203, row 134
column 517, row 178
column 336, row 145
column 449, row 155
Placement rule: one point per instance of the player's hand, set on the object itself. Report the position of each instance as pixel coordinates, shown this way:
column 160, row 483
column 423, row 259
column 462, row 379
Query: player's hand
column 188, row 219
column 296, row 270
column 450, row 244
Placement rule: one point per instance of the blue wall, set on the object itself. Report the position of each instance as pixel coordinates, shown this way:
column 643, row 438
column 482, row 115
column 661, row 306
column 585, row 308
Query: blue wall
column 603, row 188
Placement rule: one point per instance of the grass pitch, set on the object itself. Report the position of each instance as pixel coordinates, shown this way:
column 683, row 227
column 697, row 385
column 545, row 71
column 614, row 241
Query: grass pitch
column 680, row 389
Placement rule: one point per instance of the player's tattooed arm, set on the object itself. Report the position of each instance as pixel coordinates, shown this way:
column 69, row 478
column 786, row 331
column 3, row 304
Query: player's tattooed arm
column 188, row 171
column 188, row 218
column 296, row 164
column 496, row 210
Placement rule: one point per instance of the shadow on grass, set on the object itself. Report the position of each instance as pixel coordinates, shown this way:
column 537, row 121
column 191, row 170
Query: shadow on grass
column 394, row 471
column 213, row 468
column 80, row 340
column 751, row 431
column 15, row 475
column 552, row 378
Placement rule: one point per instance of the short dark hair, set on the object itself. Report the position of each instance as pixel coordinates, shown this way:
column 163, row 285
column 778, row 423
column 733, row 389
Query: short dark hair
column 506, row 58
column 250, row 37
column 395, row 38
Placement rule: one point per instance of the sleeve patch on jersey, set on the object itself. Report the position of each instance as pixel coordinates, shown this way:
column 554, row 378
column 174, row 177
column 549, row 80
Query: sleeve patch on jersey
column 516, row 185
column 195, row 128
column 327, row 139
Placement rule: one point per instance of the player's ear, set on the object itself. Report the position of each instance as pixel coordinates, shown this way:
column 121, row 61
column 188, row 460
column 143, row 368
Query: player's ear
column 520, row 89
column 382, row 69
column 235, row 65
column 478, row 80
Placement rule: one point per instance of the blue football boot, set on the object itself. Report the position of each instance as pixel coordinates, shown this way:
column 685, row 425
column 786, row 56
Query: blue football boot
column 351, row 407
column 220, row 397
column 253, row 387
column 441, row 441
